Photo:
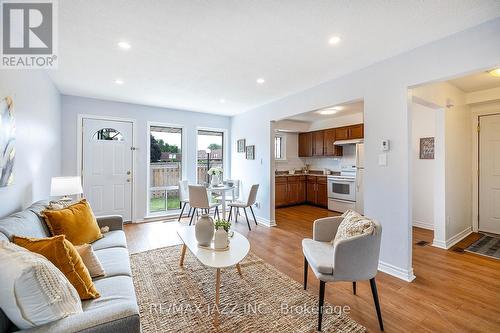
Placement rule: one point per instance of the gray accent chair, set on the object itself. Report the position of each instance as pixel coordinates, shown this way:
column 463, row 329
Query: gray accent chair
column 354, row 259
column 116, row 310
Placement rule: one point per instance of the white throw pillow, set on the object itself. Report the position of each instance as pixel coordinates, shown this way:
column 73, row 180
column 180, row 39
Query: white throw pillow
column 353, row 224
column 90, row 260
column 33, row 292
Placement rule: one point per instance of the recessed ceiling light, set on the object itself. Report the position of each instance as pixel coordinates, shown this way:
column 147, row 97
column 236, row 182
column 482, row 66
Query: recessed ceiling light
column 222, row 100
column 334, row 40
column 260, row 80
column 495, row 72
column 124, row 45
column 328, row 111
column 118, row 81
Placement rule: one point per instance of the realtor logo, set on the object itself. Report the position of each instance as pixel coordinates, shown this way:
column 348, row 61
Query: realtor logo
column 29, row 34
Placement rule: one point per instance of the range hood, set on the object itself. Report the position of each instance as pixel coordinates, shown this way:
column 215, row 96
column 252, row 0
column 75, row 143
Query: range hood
column 347, row 142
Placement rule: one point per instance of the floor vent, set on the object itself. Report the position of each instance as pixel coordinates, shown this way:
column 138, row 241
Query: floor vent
column 422, row 243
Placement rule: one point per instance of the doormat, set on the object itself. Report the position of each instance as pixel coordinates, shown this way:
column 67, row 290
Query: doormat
column 486, row 246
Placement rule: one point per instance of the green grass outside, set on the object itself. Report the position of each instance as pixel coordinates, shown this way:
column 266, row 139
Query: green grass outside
column 158, row 204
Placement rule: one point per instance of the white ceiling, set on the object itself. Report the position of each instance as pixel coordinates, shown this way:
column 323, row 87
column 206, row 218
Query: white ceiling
column 476, row 82
column 343, row 110
column 190, row 54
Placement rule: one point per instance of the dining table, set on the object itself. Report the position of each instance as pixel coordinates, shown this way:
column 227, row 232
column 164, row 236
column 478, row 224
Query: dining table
column 223, row 189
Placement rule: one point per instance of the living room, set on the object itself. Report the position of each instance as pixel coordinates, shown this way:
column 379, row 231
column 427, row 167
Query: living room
column 138, row 167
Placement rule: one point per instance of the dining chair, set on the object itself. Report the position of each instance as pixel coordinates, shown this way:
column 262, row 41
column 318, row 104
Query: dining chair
column 353, row 259
column 184, row 197
column 252, row 196
column 198, row 199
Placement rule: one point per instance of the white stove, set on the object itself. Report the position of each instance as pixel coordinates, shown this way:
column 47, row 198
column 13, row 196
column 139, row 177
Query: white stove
column 342, row 190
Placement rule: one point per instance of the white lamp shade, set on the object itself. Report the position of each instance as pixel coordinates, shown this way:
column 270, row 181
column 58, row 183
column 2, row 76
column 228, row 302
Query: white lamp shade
column 61, row 186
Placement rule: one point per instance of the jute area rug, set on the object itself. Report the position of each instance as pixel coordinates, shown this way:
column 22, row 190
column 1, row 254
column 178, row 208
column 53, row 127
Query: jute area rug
column 181, row 299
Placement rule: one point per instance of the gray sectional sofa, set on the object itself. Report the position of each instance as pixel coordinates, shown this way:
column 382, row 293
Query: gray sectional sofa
column 116, row 310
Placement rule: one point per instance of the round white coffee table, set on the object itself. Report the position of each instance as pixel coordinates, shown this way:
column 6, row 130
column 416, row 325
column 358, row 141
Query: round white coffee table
column 238, row 249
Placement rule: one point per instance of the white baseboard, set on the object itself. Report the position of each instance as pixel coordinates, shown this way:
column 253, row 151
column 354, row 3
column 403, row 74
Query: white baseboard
column 452, row 240
column 265, row 222
column 423, row 225
column 403, row 274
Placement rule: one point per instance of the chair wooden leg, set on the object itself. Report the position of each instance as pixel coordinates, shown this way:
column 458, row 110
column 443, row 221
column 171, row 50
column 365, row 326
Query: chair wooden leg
column 189, row 212
column 236, row 213
column 230, row 212
column 248, row 221
column 321, row 302
column 306, row 267
column 254, row 219
column 217, row 211
column 373, row 286
column 182, row 211
column 354, row 287
column 192, row 216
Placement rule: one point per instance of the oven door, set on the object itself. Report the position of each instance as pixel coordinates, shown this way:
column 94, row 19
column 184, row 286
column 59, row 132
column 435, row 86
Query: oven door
column 342, row 189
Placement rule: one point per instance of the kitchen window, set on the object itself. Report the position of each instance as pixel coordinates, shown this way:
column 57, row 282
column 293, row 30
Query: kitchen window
column 279, row 147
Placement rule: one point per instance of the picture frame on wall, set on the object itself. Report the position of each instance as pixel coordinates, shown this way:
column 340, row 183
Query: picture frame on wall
column 250, row 152
column 241, row 145
column 427, row 148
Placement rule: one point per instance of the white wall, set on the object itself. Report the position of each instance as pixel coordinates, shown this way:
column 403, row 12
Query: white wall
column 292, row 161
column 37, row 110
column 384, row 89
column 345, row 120
column 457, row 219
column 423, row 171
column 72, row 106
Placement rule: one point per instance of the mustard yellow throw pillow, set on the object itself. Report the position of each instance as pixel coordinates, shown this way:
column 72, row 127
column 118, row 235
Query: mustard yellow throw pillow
column 77, row 222
column 64, row 256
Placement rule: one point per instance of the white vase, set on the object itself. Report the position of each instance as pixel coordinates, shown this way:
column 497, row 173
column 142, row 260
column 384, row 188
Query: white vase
column 215, row 180
column 221, row 239
column 204, row 230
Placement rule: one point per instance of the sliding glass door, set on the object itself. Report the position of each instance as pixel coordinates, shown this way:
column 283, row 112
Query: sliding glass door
column 210, row 153
column 165, row 168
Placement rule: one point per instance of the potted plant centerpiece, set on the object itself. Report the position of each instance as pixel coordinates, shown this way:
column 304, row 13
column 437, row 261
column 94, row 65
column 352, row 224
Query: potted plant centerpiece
column 215, row 172
column 221, row 239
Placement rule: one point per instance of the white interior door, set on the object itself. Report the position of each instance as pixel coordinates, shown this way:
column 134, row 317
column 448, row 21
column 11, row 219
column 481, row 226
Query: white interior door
column 107, row 166
column 489, row 174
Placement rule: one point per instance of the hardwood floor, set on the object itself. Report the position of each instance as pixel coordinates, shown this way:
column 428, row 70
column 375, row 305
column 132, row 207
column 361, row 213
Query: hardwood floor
column 453, row 292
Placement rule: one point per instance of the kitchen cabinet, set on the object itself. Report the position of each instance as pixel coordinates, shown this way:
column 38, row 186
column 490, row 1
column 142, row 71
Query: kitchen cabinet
column 318, row 143
column 317, row 191
column 349, row 132
column 305, row 144
column 330, row 149
column 290, row 190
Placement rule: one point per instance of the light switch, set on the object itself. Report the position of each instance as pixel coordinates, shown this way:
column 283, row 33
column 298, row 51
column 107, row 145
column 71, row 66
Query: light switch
column 382, row 159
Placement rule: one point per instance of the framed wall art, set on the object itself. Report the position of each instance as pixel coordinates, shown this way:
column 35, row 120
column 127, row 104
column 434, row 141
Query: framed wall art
column 427, row 148
column 250, row 152
column 241, row 145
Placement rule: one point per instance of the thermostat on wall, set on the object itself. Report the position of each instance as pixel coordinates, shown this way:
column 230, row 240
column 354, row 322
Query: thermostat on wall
column 385, row 145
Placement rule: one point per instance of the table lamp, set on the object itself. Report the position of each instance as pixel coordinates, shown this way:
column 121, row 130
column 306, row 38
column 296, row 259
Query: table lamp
column 65, row 186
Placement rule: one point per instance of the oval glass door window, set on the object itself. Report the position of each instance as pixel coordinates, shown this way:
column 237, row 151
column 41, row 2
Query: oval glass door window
column 108, row 134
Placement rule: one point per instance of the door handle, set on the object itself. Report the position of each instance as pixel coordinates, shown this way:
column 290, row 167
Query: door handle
column 128, row 180
column 129, row 172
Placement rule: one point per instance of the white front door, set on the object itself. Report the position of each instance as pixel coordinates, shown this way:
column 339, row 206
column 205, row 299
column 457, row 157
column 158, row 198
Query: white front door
column 107, row 166
column 489, row 174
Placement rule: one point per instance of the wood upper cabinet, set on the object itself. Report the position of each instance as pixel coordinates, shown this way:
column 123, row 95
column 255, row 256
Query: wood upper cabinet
column 318, row 140
column 342, row 133
column 329, row 139
column 356, row 131
column 305, row 144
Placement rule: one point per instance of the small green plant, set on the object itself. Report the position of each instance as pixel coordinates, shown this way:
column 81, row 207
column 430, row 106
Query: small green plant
column 222, row 224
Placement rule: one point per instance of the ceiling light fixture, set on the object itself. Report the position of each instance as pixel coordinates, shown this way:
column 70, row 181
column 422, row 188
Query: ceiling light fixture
column 119, row 82
column 260, row 80
column 328, row 111
column 495, row 72
column 334, row 40
column 124, row 45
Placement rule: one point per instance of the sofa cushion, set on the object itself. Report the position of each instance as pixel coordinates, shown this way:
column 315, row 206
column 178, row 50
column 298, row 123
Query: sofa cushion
column 3, row 238
column 117, row 302
column 25, row 224
column 33, row 291
column 114, row 238
column 319, row 255
column 115, row 261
